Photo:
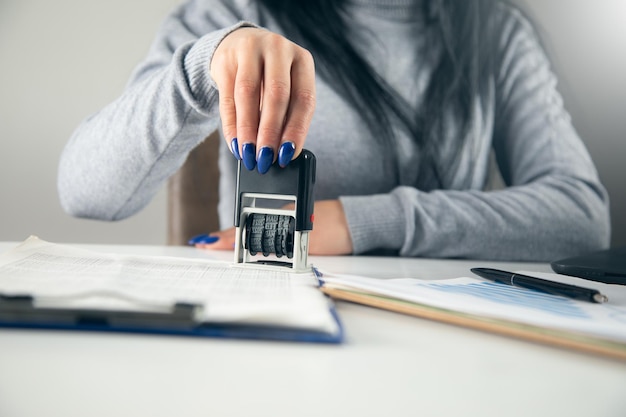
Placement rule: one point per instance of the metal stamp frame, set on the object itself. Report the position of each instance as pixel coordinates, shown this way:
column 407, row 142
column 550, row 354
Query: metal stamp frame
column 294, row 183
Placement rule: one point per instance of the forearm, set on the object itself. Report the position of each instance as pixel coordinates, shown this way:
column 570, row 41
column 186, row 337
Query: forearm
column 116, row 159
column 119, row 158
column 547, row 219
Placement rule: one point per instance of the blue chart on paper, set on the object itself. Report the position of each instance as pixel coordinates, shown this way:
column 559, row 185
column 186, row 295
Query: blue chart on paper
column 509, row 295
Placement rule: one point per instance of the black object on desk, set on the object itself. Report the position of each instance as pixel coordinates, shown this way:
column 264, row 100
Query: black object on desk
column 21, row 309
column 608, row 266
column 539, row 284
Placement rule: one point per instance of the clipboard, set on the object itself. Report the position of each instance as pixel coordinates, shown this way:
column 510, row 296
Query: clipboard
column 181, row 320
column 50, row 286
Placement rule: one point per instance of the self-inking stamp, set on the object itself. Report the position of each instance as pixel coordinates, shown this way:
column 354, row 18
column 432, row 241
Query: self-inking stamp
column 274, row 215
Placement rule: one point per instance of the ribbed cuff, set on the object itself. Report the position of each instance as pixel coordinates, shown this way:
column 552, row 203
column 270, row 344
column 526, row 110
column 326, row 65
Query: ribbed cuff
column 197, row 63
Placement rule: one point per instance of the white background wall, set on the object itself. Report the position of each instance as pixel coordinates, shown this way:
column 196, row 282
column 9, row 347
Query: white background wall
column 62, row 60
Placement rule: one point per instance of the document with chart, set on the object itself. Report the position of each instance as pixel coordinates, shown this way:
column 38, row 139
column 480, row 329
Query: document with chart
column 495, row 307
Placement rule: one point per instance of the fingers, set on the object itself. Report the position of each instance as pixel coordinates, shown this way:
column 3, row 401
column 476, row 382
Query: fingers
column 247, row 100
column 223, row 71
column 275, row 101
column 267, row 96
column 301, row 101
column 220, row 240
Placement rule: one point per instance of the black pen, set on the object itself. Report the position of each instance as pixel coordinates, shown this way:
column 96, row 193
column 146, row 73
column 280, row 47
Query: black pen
column 543, row 285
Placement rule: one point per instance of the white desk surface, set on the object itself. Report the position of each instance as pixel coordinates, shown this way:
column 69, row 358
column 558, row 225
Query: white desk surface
column 389, row 365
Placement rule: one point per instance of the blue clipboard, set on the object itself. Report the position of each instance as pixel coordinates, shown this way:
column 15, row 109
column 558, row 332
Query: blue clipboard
column 20, row 312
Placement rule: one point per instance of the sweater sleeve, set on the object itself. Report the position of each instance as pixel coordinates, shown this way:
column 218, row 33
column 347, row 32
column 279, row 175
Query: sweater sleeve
column 118, row 158
column 553, row 206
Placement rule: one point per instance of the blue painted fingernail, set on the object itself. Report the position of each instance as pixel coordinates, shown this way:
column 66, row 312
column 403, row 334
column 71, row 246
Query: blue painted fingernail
column 203, row 239
column 265, row 159
column 249, row 156
column 234, row 148
column 285, row 153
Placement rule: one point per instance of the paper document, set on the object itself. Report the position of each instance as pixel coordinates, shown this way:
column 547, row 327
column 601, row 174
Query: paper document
column 493, row 300
column 58, row 275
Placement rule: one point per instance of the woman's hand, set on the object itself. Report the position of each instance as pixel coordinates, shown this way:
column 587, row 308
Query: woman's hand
column 266, row 89
column 330, row 235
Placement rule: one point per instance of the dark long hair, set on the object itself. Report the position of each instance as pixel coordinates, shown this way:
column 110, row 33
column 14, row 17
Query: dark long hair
column 460, row 77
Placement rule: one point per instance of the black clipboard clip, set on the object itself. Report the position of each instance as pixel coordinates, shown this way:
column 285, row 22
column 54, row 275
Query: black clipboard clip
column 21, row 311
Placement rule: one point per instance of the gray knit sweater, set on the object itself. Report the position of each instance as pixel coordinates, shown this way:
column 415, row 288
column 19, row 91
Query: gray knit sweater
column 553, row 203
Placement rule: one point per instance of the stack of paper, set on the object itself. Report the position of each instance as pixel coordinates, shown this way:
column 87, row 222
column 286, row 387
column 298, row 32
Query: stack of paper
column 500, row 308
